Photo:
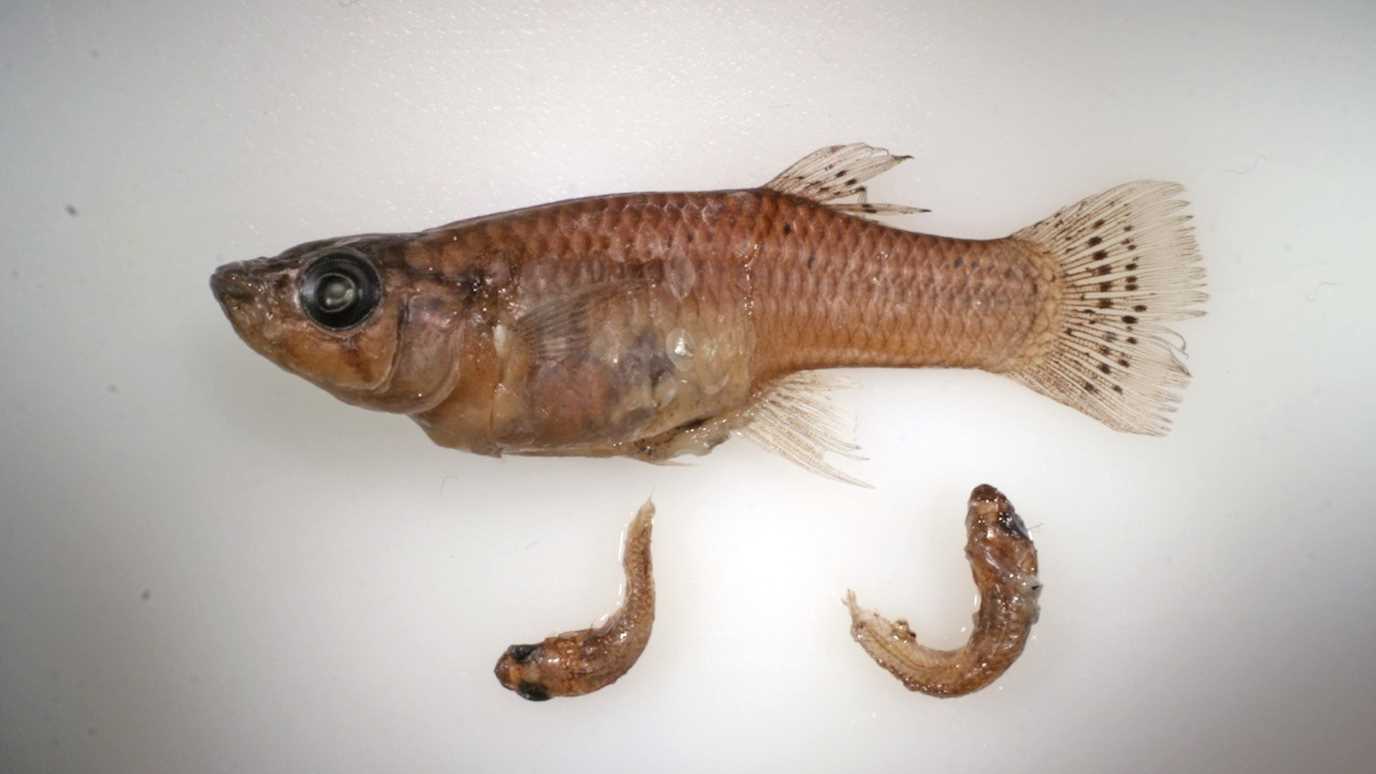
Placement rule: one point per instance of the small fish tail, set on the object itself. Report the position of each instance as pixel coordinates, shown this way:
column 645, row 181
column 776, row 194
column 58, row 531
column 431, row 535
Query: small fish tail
column 1128, row 263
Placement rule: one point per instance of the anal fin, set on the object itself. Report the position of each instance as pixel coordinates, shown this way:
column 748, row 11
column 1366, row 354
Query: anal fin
column 794, row 417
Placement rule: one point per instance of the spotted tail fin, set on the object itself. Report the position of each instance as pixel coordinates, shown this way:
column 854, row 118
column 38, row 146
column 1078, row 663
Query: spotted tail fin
column 1128, row 264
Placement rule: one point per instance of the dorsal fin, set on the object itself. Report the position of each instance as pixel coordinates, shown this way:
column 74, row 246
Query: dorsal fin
column 839, row 171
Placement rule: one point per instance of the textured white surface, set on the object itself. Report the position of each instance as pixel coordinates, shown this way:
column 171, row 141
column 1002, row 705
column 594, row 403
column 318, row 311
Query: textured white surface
column 207, row 564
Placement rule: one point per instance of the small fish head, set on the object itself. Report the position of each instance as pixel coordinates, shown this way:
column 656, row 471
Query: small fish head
column 345, row 314
column 997, row 533
column 518, row 670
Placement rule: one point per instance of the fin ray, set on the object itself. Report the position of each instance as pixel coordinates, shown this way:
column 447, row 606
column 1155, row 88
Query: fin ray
column 795, row 418
column 1128, row 263
column 558, row 327
column 839, row 171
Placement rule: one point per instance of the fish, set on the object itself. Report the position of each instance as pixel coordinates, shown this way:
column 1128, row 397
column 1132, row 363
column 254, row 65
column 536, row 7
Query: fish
column 653, row 325
column 580, row 662
column 1003, row 560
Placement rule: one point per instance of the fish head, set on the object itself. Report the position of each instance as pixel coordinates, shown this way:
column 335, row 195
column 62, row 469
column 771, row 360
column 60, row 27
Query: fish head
column 519, row 670
column 997, row 535
column 349, row 316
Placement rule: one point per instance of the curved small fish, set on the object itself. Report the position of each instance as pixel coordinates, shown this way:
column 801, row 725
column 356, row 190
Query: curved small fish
column 651, row 325
column 575, row 663
column 1004, row 563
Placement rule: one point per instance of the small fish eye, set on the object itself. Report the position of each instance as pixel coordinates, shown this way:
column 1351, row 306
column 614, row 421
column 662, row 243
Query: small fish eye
column 1012, row 523
column 340, row 289
column 521, row 653
column 532, row 691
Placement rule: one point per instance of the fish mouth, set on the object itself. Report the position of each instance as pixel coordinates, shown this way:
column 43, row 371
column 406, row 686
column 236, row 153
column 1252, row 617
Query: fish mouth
column 231, row 285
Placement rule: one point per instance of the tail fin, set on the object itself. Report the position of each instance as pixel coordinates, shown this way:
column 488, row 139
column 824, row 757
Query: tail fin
column 1128, row 263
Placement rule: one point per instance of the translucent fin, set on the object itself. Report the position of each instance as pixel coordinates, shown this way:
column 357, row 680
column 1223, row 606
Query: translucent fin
column 1128, row 262
column 795, row 417
column 558, row 327
column 838, row 171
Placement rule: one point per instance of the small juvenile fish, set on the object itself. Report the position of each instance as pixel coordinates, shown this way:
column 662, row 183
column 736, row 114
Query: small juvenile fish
column 1004, row 563
column 655, row 324
column 575, row 663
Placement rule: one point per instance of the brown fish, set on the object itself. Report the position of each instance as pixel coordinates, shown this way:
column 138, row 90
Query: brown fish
column 655, row 324
column 1003, row 561
column 575, row 663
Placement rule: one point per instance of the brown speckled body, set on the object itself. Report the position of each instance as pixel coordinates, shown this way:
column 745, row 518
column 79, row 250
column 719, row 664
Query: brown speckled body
column 674, row 309
column 1003, row 561
column 575, row 663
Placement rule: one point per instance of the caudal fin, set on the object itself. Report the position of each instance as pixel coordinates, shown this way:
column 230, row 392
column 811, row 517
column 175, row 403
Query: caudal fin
column 1128, row 263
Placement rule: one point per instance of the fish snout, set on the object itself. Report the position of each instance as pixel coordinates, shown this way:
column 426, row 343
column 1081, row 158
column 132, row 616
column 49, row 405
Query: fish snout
column 231, row 283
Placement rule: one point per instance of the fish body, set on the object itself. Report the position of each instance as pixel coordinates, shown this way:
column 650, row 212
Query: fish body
column 580, row 662
column 655, row 324
column 1003, row 561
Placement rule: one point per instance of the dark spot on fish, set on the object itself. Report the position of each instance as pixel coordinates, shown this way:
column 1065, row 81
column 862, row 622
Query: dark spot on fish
column 1130, row 286
column 852, row 181
column 1095, row 240
column 811, row 259
column 532, row 691
column 1104, row 368
column 840, row 174
column 1131, row 267
column 1110, row 337
column 1129, row 319
column 1140, row 308
column 521, row 653
column 1100, row 255
column 1128, row 227
column 1118, row 388
column 1132, row 339
column 869, row 208
column 693, row 424
column 959, row 262
column 1099, row 223
column 1102, row 270
column 145, row 595
column 1122, row 361
column 788, row 228
column 1104, row 287
column 1132, row 247
column 1105, row 351
column 1089, row 387
column 71, row 210
column 1105, row 303
column 1012, row 523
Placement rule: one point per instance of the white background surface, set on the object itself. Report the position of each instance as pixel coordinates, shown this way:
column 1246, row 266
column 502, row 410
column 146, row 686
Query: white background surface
column 207, row 564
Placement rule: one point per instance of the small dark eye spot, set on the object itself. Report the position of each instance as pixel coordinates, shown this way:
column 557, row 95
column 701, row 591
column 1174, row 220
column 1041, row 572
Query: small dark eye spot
column 521, row 653
column 532, row 691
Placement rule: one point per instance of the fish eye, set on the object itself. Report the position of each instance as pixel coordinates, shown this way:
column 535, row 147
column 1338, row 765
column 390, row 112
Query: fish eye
column 1012, row 523
column 340, row 289
column 521, row 653
column 532, row 691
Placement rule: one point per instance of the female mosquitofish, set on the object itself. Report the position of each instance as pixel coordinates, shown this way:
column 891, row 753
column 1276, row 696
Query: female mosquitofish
column 655, row 324
column 1004, row 563
column 575, row 663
